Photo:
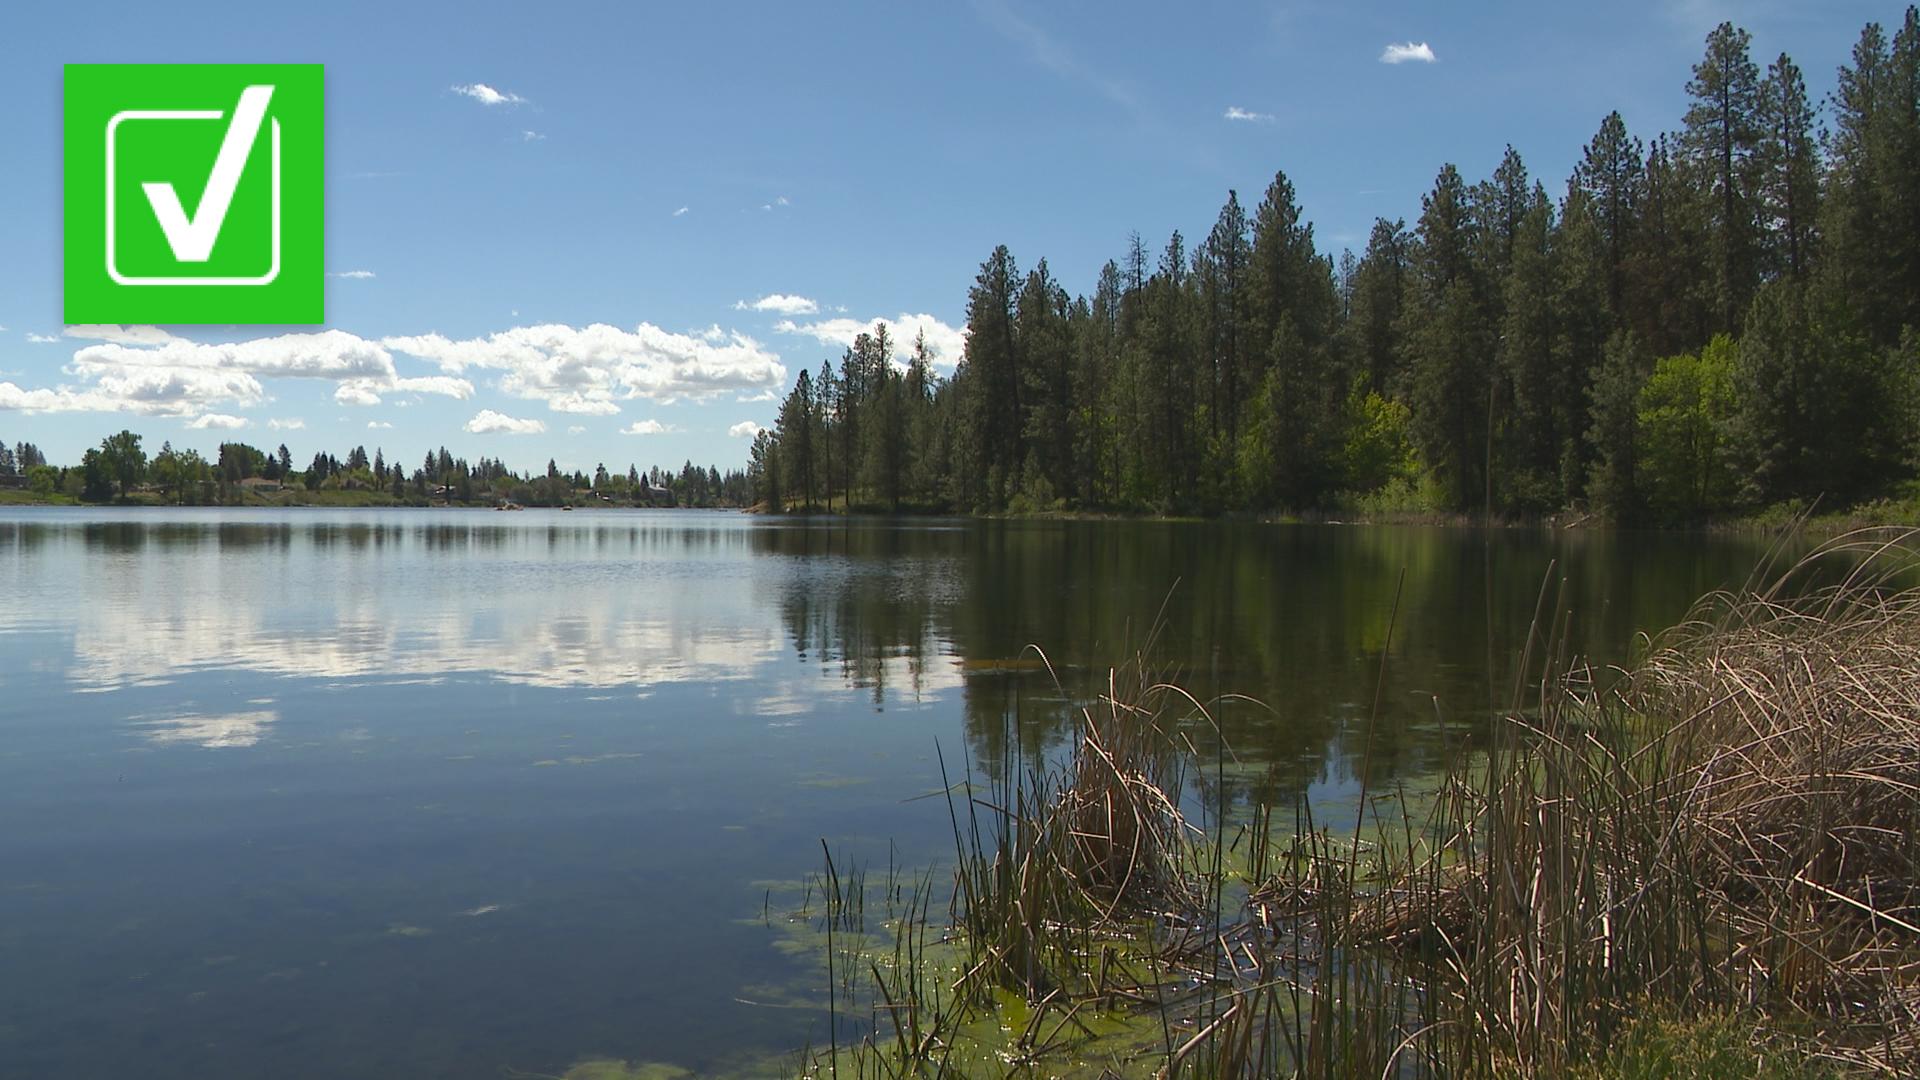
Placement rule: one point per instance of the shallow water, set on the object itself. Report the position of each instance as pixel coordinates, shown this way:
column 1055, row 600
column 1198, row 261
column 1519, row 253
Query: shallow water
column 432, row 793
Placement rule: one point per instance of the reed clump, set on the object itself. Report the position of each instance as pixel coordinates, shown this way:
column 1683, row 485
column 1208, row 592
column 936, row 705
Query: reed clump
column 1060, row 857
column 1796, row 714
column 1728, row 824
column 1724, row 828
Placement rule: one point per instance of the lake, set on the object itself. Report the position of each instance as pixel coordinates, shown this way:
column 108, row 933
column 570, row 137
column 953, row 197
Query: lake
column 314, row 793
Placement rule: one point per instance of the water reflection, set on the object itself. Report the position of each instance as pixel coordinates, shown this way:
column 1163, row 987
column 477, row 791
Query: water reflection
column 310, row 794
column 212, row 732
column 1296, row 617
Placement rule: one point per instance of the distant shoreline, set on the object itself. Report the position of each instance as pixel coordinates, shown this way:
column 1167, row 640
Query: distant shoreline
column 1774, row 521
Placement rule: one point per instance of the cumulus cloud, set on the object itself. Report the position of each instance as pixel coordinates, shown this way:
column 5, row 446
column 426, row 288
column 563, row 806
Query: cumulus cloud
column 780, row 303
column 353, row 275
column 378, row 425
column 487, row 95
column 146, row 370
column 587, row 369
column 532, row 136
column 646, row 427
column 682, row 212
column 947, row 343
column 745, row 429
column 291, row 424
column 582, row 404
column 43, row 339
column 584, row 371
column 218, row 420
column 1235, row 112
column 1401, row 53
column 488, row 422
column 151, row 391
column 154, row 393
column 330, row 354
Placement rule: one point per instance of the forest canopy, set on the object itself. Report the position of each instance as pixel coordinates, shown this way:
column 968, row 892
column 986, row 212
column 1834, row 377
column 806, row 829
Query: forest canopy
column 1704, row 322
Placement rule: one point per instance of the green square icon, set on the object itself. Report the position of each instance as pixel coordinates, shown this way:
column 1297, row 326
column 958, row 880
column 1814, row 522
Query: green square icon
column 194, row 193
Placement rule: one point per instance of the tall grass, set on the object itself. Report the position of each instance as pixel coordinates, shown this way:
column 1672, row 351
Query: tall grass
column 1726, row 827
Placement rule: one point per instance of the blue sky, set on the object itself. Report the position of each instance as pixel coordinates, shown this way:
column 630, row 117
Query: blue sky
column 615, row 233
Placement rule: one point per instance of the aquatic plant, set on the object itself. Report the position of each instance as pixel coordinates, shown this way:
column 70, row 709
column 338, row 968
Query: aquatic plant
column 1725, row 828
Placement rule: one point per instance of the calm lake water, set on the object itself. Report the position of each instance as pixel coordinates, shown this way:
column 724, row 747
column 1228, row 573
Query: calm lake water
column 433, row 793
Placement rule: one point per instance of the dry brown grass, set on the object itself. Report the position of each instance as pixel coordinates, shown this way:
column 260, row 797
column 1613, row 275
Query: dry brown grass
column 1798, row 710
column 1729, row 823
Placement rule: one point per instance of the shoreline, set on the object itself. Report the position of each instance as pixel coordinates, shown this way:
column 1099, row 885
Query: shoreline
column 1771, row 521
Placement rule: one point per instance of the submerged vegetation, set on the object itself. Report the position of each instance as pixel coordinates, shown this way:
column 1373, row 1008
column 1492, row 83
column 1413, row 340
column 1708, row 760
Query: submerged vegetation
column 1702, row 864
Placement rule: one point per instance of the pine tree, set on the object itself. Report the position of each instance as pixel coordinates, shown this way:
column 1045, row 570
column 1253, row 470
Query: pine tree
column 994, row 409
column 1612, row 177
column 1722, row 137
column 1614, row 409
column 1532, row 445
column 1448, row 346
column 1040, row 325
column 1222, row 271
column 795, row 431
column 1379, row 294
column 1789, row 183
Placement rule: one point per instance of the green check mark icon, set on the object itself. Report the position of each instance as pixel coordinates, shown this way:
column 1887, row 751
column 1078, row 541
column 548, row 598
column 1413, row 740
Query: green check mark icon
column 192, row 239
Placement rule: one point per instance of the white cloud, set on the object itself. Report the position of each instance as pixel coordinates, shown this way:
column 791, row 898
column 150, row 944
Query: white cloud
column 218, row 420
column 682, row 212
column 488, row 422
column 1403, row 52
column 292, row 424
column 575, row 429
column 120, row 335
column 67, row 399
column 780, row 303
column 646, row 427
column 353, row 275
column 175, row 376
column 745, row 429
column 443, row 385
column 364, row 365
column 487, row 95
column 947, row 343
column 379, row 425
column 1235, row 112
column 150, row 391
column 582, row 404
column 149, row 371
column 778, row 200
column 586, row 369
column 43, row 339
column 531, row 136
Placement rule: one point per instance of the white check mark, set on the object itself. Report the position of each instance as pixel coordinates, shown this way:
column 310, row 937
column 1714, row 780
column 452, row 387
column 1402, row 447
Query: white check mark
column 192, row 238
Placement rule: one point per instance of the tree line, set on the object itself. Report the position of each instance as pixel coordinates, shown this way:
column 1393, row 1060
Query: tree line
column 1713, row 321
column 120, row 468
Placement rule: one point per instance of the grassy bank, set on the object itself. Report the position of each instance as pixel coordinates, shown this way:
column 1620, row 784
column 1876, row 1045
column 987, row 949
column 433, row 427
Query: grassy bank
column 1703, row 865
